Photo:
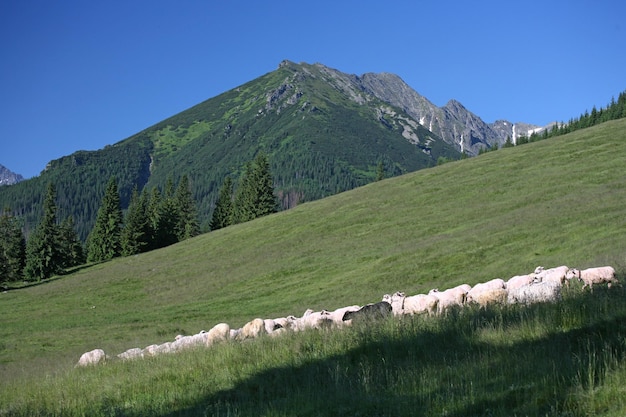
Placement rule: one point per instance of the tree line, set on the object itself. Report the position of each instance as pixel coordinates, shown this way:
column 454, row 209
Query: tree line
column 616, row 109
column 154, row 219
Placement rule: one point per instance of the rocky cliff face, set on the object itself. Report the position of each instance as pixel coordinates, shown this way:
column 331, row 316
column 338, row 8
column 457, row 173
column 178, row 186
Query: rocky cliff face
column 7, row 177
column 453, row 122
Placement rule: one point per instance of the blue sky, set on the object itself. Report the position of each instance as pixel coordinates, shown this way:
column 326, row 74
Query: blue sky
column 78, row 75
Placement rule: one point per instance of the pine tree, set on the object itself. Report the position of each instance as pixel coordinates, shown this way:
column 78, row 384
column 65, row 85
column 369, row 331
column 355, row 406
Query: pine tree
column 380, row 171
column 255, row 194
column 223, row 212
column 43, row 256
column 71, row 248
column 12, row 249
column 243, row 209
column 154, row 205
column 187, row 222
column 165, row 230
column 104, row 241
column 137, row 233
column 265, row 200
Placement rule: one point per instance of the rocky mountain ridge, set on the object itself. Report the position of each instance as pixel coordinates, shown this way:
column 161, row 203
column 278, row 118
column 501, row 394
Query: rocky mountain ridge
column 8, row 177
column 454, row 123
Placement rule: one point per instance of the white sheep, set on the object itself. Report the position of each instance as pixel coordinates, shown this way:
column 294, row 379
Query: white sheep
column 488, row 297
column 397, row 302
column 451, row 297
column 93, row 357
column 313, row 320
column 336, row 316
column 542, row 292
column 252, row 329
column 131, row 354
column 520, row 280
column 420, row 304
column 218, row 333
column 557, row 274
column 597, row 275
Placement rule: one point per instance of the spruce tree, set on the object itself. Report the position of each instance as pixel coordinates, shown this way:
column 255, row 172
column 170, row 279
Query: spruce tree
column 243, row 209
column 165, row 231
column 43, row 256
column 104, row 241
column 12, row 249
column 266, row 202
column 72, row 252
column 223, row 212
column 255, row 195
column 380, row 171
column 187, row 214
column 154, row 208
column 137, row 233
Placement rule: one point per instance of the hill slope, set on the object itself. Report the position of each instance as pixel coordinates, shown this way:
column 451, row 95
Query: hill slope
column 548, row 203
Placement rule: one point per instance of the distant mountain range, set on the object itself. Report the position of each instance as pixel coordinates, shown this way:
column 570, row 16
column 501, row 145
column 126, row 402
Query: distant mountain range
column 323, row 130
column 8, row 177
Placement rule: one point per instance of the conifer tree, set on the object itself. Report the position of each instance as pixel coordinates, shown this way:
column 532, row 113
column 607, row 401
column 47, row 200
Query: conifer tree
column 12, row 248
column 255, row 195
column 43, row 256
column 380, row 171
column 104, row 241
column 165, row 230
column 265, row 202
column 72, row 252
column 137, row 233
column 187, row 217
column 154, row 207
column 223, row 212
column 243, row 209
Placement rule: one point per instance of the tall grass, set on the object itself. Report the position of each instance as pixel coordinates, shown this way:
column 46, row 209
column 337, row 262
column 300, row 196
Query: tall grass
column 556, row 359
column 549, row 203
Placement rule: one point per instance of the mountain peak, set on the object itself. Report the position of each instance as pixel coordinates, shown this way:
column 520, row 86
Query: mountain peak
column 7, row 177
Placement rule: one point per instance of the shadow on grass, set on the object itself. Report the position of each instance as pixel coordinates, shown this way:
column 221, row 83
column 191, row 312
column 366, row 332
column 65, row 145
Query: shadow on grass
column 465, row 366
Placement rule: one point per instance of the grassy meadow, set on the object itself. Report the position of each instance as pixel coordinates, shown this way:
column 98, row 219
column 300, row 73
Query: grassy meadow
column 559, row 201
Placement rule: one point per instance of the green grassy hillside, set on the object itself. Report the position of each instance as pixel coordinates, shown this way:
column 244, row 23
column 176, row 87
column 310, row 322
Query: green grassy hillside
column 549, row 203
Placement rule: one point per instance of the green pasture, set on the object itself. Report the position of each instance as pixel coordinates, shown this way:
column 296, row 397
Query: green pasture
column 554, row 202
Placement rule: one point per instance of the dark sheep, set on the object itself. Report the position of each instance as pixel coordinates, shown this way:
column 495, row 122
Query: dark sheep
column 375, row 311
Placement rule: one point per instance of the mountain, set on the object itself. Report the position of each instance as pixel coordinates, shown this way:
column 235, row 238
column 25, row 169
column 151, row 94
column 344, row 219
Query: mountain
column 323, row 132
column 455, row 124
column 7, row 177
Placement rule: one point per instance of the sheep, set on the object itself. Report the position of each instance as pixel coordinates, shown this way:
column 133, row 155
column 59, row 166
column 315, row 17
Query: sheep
column 488, row 297
column 93, row 357
column 186, row 342
column 271, row 325
column 520, row 280
column 286, row 322
column 218, row 333
column 336, row 316
column 558, row 274
column 597, row 275
column 252, row 329
column 420, row 304
column 455, row 296
column 397, row 302
column 131, row 354
column 374, row 311
column 474, row 293
column 313, row 320
column 548, row 291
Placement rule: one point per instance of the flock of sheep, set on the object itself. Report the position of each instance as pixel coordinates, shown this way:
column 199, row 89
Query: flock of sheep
column 543, row 285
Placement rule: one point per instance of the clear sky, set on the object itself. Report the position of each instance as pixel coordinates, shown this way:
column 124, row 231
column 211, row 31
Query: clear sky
column 78, row 75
